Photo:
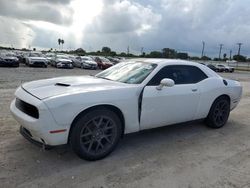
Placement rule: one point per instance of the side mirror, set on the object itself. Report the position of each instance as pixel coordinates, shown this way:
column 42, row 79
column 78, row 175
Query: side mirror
column 165, row 82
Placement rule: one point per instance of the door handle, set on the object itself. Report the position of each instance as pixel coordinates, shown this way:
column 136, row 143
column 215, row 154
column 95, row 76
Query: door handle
column 194, row 90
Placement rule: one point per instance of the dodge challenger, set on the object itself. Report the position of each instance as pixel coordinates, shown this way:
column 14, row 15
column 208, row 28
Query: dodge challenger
column 92, row 113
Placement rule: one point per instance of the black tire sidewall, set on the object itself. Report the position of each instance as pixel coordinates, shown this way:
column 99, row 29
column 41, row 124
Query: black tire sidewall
column 76, row 131
column 210, row 119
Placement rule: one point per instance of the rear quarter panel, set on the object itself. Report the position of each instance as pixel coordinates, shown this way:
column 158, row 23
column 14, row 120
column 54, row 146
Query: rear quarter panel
column 212, row 88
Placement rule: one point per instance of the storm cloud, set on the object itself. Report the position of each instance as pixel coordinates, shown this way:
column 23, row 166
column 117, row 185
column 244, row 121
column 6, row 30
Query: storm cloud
column 50, row 11
column 151, row 24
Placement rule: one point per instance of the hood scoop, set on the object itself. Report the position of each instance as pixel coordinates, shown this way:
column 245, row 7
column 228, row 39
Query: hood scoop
column 62, row 84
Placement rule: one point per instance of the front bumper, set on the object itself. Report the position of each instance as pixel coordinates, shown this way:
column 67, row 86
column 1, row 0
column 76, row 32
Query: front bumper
column 88, row 66
column 38, row 64
column 39, row 129
column 65, row 66
column 27, row 135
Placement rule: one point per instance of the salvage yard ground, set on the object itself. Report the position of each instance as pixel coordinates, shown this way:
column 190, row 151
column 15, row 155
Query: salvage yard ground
column 189, row 155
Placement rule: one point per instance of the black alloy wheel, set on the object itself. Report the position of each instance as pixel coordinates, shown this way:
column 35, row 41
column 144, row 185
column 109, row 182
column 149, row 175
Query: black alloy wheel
column 219, row 113
column 96, row 134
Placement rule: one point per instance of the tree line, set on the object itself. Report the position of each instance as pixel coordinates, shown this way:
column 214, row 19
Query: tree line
column 164, row 53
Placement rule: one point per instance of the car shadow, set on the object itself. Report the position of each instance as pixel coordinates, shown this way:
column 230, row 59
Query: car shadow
column 146, row 144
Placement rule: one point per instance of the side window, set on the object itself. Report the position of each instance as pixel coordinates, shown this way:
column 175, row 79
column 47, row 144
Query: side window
column 181, row 74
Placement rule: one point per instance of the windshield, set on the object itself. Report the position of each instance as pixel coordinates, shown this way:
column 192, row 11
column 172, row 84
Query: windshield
column 128, row 72
column 62, row 56
column 35, row 55
column 86, row 58
column 104, row 59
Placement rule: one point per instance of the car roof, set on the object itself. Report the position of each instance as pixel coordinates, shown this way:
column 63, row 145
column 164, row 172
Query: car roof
column 163, row 62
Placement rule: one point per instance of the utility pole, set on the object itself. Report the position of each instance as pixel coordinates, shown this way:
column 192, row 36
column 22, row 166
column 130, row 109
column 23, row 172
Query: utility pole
column 128, row 50
column 203, row 47
column 239, row 47
column 230, row 55
column 141, row 50
column 220, row 50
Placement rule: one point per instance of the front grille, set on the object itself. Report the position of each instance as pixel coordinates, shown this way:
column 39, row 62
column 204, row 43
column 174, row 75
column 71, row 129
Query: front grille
column 38, row 63
column 27, row 108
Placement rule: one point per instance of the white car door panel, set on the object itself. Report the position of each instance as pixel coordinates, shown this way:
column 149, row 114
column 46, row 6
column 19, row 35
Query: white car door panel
column 169, row 106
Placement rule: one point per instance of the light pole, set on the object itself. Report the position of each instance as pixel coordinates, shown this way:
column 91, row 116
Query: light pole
column 203, row 47
column 220, row 50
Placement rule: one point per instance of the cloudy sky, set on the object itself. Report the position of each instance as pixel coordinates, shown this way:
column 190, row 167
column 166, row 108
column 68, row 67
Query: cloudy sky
column 151, row 24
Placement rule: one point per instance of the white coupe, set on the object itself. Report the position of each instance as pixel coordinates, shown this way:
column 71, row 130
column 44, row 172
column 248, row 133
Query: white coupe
column 91, row 113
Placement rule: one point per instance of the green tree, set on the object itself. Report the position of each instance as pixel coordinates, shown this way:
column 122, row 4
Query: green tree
column 106, row 50
column 239, row 58
column 154, row 54
column 62, row 41
column 206, row 58
column 123, row 54
column 182, row 55
column 113, row 53
column 169, row 53
column 59, row 42
column 194, row 58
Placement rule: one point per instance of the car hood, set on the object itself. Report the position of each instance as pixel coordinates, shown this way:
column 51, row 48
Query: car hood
column 37, row 58
column 10, row 58
column 64, row 60
column 90, row 62
column 43, row 89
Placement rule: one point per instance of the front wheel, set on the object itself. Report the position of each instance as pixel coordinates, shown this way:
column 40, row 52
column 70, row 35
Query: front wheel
column 219, row 113
column 96, row 134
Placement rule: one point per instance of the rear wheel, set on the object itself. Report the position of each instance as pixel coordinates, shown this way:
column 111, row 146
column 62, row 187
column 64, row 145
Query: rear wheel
column 96, row 134
column 219, row 113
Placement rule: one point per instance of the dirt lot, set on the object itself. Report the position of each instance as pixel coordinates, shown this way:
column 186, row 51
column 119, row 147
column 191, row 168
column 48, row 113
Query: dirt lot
column 175, row 156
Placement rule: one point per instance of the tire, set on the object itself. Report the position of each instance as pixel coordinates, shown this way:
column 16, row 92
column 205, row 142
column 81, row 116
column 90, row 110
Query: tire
column 96, row 134
column 219, row 113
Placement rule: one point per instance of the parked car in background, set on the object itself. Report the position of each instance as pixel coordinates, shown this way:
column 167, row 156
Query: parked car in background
column 36, row 59
column 62, row 61
column 9, row 62
column 203, row 63
column 75, row 61
column 225, row 68
column 220, row 68
column 214, row 68
column 86, row 62
column 49, row 57
column 103, row 63
column 113, row 60
column 92, row 113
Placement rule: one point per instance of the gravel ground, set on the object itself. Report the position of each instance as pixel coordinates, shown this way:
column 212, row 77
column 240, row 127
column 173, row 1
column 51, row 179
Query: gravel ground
column 190, row 155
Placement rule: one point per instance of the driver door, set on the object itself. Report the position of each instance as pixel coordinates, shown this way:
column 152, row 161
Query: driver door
column 171, row 105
